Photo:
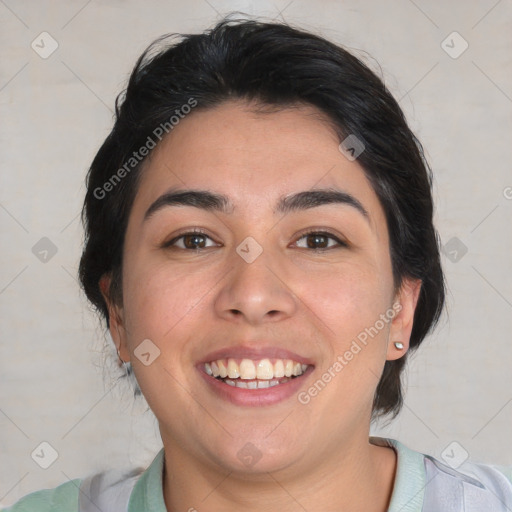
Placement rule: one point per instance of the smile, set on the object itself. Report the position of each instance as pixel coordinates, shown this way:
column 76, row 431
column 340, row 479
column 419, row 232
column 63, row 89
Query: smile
column 249, row 374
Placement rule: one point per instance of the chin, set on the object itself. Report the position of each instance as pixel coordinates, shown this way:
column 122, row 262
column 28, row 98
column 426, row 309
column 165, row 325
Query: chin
column 257, row 456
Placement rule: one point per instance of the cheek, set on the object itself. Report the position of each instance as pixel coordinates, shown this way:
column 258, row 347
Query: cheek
column 350, row 305
column 159, row 302
column 349, row 299
column 163, row 306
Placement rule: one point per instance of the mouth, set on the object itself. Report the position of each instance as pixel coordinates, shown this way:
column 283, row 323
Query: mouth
column 255, row 379
column 259, row 374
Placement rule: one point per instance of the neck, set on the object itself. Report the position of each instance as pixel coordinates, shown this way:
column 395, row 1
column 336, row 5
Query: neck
column 359, row 477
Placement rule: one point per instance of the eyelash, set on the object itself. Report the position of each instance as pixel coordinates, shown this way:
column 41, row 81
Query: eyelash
column 327, row 234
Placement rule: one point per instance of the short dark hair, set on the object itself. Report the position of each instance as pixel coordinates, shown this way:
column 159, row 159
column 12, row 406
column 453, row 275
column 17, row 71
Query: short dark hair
column 276, row 65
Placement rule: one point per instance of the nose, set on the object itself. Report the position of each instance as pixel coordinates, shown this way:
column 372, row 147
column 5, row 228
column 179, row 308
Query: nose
column 255, row 292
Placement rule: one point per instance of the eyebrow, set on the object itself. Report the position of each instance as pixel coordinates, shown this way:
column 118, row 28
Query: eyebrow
column 211, row 201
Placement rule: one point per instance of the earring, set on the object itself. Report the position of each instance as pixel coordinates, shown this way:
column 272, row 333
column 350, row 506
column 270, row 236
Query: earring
column 120, row 360
column 399, row 345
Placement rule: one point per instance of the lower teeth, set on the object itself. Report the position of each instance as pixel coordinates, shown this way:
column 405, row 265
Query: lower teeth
column 254, row 384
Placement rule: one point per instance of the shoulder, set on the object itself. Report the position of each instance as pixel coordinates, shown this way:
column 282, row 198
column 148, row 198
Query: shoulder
column 495, row 478
column 63, row 498
column 491, row 475
column 425, row 483
column 476, row 485
column 110, row 490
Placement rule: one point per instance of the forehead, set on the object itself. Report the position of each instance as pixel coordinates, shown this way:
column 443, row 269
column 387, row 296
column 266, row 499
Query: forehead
column 253, row 157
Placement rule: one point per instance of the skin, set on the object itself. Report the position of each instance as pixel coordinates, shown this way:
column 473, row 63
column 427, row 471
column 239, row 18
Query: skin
column 189, row 303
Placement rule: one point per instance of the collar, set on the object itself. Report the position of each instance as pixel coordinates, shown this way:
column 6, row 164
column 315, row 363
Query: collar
column 408, row 490
column 410, row 478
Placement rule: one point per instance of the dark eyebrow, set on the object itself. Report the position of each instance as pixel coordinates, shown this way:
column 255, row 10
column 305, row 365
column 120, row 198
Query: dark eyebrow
column 203, row 199
column 212, row 201
column 319, row 197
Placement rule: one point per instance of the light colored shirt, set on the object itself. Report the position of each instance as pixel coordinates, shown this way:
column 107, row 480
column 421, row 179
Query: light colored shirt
column 422, row 484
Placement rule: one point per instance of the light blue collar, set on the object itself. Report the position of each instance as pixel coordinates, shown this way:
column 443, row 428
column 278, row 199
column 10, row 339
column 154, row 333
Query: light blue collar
column 408, row 490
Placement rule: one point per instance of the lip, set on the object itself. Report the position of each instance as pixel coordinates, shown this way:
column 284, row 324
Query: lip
column 254, row 397
column 256, row 354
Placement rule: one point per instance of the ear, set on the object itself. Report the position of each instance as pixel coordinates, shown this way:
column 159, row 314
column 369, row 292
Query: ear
column 115, row 317
column 401, row 325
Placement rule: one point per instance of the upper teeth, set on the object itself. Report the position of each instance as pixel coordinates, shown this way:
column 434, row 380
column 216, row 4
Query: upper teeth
column 249, row 369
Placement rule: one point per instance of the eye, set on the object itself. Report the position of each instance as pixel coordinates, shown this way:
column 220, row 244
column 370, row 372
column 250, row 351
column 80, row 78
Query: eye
column 192, row 240
column 320, row 240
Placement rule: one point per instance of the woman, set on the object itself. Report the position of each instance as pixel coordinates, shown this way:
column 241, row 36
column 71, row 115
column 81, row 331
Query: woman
column 259, row 241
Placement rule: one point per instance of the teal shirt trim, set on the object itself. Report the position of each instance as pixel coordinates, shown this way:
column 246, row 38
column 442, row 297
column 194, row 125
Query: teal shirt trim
column 63, row 498
column 410, row 477
column 148, row 492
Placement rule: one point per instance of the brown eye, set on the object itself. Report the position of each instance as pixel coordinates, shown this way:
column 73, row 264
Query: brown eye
column 192, row 241
column 321, row 240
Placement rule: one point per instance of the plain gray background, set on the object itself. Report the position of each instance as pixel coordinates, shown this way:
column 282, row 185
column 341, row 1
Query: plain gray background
column 56, row 111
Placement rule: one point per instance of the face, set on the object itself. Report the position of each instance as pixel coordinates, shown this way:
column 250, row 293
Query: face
column 293, row 297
